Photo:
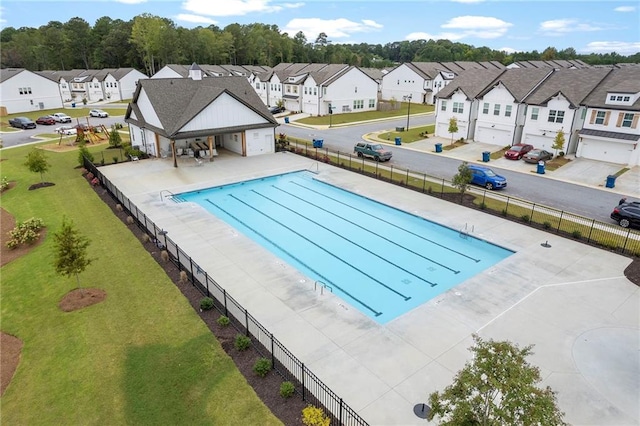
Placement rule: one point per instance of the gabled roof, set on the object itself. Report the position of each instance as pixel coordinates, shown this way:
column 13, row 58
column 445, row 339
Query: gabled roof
column 471, row 83
column 574, row 84
column 519, row 82
column 619, row 80
column 374, row 73
column 7, row 73
column 557, row 63
column 329, row 73
column 176, row 101
column 427, row 70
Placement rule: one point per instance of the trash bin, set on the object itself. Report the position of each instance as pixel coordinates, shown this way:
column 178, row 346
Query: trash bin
column 73, row 104
column 541, row 167
column 286, row 120
column 317, row 143
column 611, row 181
column 399, row 129
column 486, row 155
column 398, row 141
column 438, row 147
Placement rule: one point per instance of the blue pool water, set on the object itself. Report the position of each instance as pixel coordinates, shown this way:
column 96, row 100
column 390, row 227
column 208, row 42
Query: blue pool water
column 380, row 260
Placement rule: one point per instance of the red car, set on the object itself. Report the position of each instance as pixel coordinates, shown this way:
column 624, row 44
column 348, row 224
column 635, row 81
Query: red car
column 46, row 119
column 517, row 151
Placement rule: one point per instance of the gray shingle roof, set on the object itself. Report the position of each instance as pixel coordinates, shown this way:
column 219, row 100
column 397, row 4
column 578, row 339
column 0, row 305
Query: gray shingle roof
column 519, row 81
column 178, row 100
column 471, row 83
column 619, row 80
column 574, row 84
column 609, row 135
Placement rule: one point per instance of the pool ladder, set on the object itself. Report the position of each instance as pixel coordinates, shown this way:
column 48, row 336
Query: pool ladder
column 322, row 287
column 464, row 232
column 171, row 194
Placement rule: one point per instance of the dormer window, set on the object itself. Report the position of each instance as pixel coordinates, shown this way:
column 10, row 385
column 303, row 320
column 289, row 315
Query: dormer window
column 621, row 99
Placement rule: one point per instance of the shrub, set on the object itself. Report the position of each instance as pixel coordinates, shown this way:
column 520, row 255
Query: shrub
column 206, row 303
column 314, row 416
column 504, row 212
column 483, row 206
column 145, row 238
column 242, row 342
column 25, row 233
column 119, row 207
column 546, row 225
column 89, row 176
column 115, row 159
column 287, row 389
column 183, row 277
column 84, row 152
column 525, row 218
column 95, row 181
column 164, row 255
column 223, row 321
column 262, row 367
column 576, row 234
column 4, row 183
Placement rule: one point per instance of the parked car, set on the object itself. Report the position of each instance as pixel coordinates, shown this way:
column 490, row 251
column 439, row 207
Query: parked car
column 66, row 130
column 46, row 119
column 537, row 155
column 61, row 117
column 627, row 214
column 486, row 177
column 22, row 123
column 517, row 151
column 98, row 113
column 276, row 109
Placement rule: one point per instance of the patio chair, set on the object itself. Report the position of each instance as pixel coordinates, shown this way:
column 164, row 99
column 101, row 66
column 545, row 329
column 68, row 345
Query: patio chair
column 190, row 152
column 199, row 162
column 134, row 158
column 178, row 152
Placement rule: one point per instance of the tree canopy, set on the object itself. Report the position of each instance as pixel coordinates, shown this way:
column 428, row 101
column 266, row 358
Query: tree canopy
column 497, row 387
column 149, row 42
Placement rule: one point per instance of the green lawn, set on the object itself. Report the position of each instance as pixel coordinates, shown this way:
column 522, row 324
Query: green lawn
column 353, row 117
column 140, row 357
column 412, row 135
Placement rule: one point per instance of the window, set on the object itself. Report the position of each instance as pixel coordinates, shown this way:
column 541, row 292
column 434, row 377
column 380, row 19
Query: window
column 315, row 90
column 358, row 104
column 458, row 107
column 305, row 90
column 443, row 106
column 534, row 113
column 507, row 111
column 258, row 86
column 600, row 117
column 619, row 98
column 555, row 116
column 626, row 99
column 496, row 109
column 627, row 119
column 612, row 97
column 485, row 108
column 372, row 103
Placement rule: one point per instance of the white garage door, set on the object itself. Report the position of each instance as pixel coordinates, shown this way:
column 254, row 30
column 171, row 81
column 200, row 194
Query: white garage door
column 610, row 152
column 539, row 142
column 493, row 136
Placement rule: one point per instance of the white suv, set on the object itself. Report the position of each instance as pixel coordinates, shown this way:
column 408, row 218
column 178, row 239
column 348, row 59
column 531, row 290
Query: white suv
column 61, row 117
column 98, row 113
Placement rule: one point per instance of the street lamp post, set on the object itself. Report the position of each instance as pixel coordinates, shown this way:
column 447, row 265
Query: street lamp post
column 408, row 98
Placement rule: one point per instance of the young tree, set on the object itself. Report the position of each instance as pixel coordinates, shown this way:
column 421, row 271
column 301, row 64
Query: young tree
column 498, row 387
column 37, row 162
column 70, row 251
column 453, row 127
column 558, row 142
column 115, row 140
column 462, row 179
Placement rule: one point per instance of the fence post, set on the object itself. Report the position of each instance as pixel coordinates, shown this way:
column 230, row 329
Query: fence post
column 224, row 296
column 591, row 230
column 191, row 270
column 304, row 388
column 407, row 178
column 246, row 321
column 273, row 357
column 424, row 182
column 340, row 416
column 442, row 189
column 560, row 221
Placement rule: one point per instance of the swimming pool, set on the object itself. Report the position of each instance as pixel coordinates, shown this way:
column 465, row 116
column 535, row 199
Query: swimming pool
column 380, row 260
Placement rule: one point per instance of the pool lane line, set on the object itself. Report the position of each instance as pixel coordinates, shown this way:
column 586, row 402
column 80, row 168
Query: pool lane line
column 428, row 259
column 376, row 313
column 432, row 284
column 387, row 222
column 325, row 250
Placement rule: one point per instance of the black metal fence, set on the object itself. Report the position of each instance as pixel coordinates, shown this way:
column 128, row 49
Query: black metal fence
column 308, row 386
column 590, row 231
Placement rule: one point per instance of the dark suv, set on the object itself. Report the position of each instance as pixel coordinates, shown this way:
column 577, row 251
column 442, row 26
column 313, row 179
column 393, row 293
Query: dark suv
column 627, row 214
column 22, row 122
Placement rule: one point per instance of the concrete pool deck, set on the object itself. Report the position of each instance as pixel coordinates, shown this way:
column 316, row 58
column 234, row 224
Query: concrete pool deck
column 570, row 300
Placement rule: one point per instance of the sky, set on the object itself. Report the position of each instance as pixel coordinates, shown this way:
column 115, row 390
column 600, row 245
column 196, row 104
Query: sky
column 588, row 26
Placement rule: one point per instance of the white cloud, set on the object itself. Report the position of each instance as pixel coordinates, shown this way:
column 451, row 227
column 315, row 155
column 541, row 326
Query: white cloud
column 234, row 7
column 625, row 9
column 559, row 27
column 333, row 28
column 466, row 27
column 196, row 19
column 131, row 1
column 620, row 47
column 507, row 50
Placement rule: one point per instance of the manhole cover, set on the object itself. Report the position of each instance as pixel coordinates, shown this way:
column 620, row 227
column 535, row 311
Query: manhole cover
column 421, row 410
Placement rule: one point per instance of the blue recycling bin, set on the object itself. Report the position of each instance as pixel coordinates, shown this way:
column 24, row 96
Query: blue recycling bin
column 486, row 155
column 398, row 141
column 611, row 181
column 438, row 147
column 73, row 104
column 541, row 167
column 286, row 120
column 317, row 143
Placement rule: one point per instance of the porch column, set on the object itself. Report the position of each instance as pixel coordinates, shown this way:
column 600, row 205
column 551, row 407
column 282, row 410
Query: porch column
column 173, row 153
column 210, row 143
